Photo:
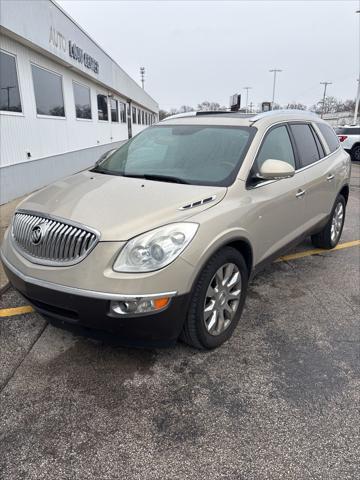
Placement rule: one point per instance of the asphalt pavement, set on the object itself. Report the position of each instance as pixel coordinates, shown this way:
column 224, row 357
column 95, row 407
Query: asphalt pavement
column 280, row 400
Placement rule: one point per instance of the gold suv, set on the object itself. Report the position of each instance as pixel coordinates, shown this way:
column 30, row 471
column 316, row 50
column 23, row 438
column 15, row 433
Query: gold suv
column 160, row 239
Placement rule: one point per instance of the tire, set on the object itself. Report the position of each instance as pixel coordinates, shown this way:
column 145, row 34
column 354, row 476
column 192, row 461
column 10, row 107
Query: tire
column 326, row 238
column 197, row 332
column 355, row 153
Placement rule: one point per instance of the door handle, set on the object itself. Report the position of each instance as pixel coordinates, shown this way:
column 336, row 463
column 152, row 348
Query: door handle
column 300, row 193
column 330, row 177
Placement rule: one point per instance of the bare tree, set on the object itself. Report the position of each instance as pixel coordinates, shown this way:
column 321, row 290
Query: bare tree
column 296, row 106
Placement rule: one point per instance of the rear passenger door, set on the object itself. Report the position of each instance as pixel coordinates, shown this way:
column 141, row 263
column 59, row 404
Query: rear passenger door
column 315, row 172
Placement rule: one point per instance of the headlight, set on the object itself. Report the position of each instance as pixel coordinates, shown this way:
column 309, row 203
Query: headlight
column 155, row 249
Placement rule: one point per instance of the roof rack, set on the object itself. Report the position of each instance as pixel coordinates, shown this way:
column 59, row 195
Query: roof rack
column 209, row 112
column 275, row 113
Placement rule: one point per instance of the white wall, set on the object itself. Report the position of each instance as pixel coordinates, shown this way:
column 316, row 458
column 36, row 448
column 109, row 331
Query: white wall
column 44, row 137
column 32, row 20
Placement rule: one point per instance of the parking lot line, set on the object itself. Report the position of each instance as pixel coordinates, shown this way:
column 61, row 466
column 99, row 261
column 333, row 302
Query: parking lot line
column 10, row 312
column 317, row 251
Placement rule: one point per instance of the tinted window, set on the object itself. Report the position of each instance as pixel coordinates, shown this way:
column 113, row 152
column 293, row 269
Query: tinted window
column 48, row 92
column 276, row 146
column 82, row 101
column 10, row 94
column 134, row 114
column 199, row 155
column 114, row 110
column 305, row 144
column 122, row 112
column 102, row 107
column 320, row 148
column 139, row 116
column 329, row 135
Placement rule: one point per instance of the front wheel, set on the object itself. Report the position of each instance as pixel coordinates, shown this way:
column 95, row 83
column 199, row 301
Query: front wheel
column 330, row 235
column 217, row 300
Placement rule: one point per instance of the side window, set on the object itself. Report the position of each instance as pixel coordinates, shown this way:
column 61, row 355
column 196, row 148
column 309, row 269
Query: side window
column 48, row 92
column 276, row 146
column 114, row 110
column 9, row 93
column 102, row 107
column 82, row 101
column 318, row 144
column 329, row 135
column 305, row 144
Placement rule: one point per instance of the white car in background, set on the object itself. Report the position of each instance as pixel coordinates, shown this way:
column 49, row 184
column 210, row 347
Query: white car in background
column 349, row 137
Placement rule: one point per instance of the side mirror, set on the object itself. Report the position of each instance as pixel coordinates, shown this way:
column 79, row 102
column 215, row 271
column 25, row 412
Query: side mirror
column 276, row 169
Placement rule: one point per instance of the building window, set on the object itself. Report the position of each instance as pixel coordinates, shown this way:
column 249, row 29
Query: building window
column 114, row 110
column 122, row 112
column 102, row 107
column 10, row 93
column 49, row 96
column 143, row 117
column 139, row 116
column 82, row 101
column 134, row 114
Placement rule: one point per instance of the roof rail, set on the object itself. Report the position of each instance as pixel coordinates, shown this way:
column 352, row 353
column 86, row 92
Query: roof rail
column 274, row 113
column 208, row 112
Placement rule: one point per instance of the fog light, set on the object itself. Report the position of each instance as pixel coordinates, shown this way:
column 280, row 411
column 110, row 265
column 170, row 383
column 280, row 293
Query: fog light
column 138, row 305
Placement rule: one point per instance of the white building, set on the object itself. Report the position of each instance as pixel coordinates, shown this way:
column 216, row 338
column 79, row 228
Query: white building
column 63, row 100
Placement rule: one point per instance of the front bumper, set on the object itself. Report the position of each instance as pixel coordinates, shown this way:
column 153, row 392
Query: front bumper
column 89, row 314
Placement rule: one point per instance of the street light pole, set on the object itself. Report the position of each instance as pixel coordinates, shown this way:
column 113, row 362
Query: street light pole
column 142, row 75
column 274, row 71
column 358, row 89
column 247, row 97
column 324, row 97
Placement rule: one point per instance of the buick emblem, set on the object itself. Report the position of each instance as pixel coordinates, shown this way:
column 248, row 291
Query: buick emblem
column 38, row 233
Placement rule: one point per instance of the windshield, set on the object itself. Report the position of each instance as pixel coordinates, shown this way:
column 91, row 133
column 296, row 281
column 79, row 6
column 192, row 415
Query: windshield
column 194, row 154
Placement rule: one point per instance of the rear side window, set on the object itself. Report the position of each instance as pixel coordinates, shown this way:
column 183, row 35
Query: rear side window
column 329, row 135
column 305, row 144
column 276, row 146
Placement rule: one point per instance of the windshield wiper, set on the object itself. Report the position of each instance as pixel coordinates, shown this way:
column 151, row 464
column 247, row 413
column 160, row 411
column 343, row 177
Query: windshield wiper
column 146, row 176
column 163, row 178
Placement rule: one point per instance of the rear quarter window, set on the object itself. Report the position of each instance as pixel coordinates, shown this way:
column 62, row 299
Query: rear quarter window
column 329, row 135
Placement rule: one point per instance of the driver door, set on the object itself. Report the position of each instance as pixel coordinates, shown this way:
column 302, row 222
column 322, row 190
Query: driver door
column 278, row 208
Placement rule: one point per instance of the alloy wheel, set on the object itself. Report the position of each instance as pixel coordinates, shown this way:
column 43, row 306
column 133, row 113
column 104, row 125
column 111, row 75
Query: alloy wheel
column 222, row 299
column 337, row 222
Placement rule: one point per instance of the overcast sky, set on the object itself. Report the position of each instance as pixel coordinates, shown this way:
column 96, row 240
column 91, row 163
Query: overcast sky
column 208, row 50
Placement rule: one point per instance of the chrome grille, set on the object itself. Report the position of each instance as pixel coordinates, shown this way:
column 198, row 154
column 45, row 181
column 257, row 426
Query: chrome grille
column 49, row 240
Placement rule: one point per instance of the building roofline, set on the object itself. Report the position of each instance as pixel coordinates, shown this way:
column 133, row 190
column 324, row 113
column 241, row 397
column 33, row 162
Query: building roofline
column 55, row 3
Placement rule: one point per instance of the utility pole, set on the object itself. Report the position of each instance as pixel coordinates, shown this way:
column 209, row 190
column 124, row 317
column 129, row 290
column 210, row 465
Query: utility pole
column 142, row 75
column 324, row 97
column 274, row 71
column 358, row 89
column 247, row 97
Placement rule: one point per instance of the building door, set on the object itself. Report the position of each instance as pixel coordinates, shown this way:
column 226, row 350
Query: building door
column 129, row 122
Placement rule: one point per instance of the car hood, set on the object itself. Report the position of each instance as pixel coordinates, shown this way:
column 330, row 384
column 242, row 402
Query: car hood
column 120, row 207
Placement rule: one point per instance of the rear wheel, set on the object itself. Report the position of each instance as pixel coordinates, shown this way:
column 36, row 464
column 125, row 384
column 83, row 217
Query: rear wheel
column 330, row 235
column 355, row 153
column 217, row 300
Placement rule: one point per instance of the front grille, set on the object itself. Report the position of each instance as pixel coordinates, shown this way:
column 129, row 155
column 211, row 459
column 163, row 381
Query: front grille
column 49, row 241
